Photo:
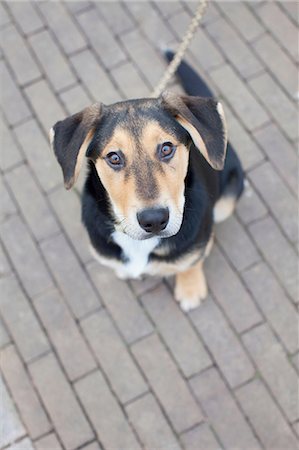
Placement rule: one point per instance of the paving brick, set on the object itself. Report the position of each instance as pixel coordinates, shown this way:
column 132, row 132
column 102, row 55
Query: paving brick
column 168, row 9
column 100, row 38
column 272, row 142
column 230, row 292
column 291, row 8
column 13, row 104
column 238, row 95
column 60, row 402
column 146, row 284
column 171, row 389
column 67, row 206
column 70, row 276
column 77, row 6
column 240, row 16
column 113, row 356
column 18, row 56
column 280, row 25
column 265, row 417
column 271, row 299
column 150, row 424
column 75, row 99
column 222, row 343
column 4, row 17
column 39, row 94
column 202, row 47
column 116, row 16
column 92, row 446
column 62, row 25
column 4, row 264
column 49, row 442
column 234, row 48
column 211, row 13
column 4, row 338
column 24, row 396
column 50, row 57
column 26, row 257
column 10, row 153
column 129, row 81
column 26, row 16
column 19, row 318
column 104, row 412
column 277, row 252
column 7, row 205
column 39, row 155
column 11, row 426
column 275, row 368
column 236, row 243
column 37, row 213
column 181, row 340
column 200, row 437
column 277, row 103
column 120, row 302
column 222, row 411
column 94, row 77
column 24, row 444
column 250, row 207
column 275, row 193
column 70, row 346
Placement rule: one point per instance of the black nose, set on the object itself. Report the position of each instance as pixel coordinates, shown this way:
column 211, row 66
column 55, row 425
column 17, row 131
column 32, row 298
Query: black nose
column 153, row 220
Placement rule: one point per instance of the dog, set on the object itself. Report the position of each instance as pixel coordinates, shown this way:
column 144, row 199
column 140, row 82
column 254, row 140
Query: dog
column 161, row 172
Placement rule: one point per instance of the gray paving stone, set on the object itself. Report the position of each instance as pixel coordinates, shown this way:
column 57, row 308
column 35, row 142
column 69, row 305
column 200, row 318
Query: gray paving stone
column 113, row 356
column 171, row 389
column 168, row 9
column 129, row 81
column 100, row 38
column 237, row 245
column 39, row 94
column 267, row 420
column 92, row 446
column 211, row 14
column 4, row 17
column 37, row 213
column 222, row 343
column 4, row 338
column 278, row 253
column 250, row 207
column 50, row 57
column 25, row 257
column 200, row 438
column 116, row 16
column 49, row 442
column 275, row 368
column 272, row 141
column 181, row 340
column 70, row 276
column 75, row 99
column 60, row 402
column 19, row 318
column 276, row 103
column 109, row 421
column 26, row 16
column 76, row 6
column 13, row 104
column 23, row 65
column 146, row 284
column 65, row 336
column 222, row 411
column 39, row 155
column 10, row 153
column 230, row 292
column 120, row 302
column 11, row 426
column 150, row 424
column 7, row 205
column 240, row 98
column 63, row 26
column 24, row 444
column 24, row 396
column 5, row 267
column 291, row 8
column 235, row 49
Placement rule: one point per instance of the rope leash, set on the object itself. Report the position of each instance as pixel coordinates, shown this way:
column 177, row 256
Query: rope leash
column 174, row 64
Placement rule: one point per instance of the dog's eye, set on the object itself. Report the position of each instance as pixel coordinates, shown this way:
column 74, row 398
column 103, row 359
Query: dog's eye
column 115, row 160
column 166, row 150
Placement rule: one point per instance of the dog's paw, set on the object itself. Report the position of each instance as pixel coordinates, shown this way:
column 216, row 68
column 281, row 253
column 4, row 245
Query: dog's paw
column 189, row 303
column 190, row 296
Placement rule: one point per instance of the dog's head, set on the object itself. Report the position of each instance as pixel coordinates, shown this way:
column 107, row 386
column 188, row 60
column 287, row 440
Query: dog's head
column 140, row 149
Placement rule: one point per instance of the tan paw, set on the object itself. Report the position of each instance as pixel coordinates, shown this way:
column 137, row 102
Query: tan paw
column 189, row 295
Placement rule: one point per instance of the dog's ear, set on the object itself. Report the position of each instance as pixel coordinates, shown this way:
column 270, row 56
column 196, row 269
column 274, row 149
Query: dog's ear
column 70, row 139
column 204, row 120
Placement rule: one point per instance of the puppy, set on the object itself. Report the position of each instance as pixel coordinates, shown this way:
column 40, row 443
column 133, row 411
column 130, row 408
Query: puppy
column 160, row 173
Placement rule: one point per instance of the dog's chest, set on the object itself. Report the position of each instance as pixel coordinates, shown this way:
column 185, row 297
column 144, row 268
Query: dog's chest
column 136, row 253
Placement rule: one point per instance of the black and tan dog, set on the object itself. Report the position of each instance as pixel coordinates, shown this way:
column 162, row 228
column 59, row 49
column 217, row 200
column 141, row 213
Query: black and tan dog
column 159, row 176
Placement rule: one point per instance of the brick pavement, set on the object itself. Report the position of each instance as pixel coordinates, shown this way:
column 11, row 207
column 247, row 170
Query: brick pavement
column 88, row 361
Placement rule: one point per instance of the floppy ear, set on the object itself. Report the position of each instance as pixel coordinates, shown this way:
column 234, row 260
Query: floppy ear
column 70, row 139
column 204, row 120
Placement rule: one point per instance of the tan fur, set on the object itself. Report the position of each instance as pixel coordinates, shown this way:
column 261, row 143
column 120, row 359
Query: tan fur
column 81, row 156
column 196, row 137
column 191, row 287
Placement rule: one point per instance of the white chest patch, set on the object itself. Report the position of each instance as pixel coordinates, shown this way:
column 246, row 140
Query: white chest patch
column 136, row 252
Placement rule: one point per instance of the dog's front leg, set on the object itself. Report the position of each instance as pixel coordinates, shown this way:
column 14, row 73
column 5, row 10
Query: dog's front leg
column 191, row 287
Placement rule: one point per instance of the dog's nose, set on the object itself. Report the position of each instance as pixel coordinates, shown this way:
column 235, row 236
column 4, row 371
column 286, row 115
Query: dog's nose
column 153, row 220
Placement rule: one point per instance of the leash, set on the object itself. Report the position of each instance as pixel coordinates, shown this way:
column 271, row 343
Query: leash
column 174, row 64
